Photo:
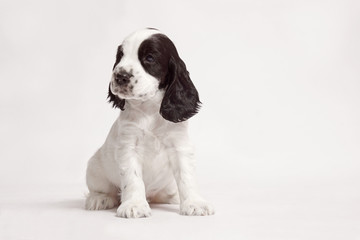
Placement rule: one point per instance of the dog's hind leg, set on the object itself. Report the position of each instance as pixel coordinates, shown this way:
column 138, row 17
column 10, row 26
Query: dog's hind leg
column 102, row 193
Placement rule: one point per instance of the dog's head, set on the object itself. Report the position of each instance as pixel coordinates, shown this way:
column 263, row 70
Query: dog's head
column 147, row 62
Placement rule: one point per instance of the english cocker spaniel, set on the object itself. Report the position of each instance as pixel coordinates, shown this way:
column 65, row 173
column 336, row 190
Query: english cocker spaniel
column 147, row 156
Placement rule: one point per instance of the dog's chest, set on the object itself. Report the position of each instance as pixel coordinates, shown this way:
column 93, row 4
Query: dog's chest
column 150, row 144
column 154, row 160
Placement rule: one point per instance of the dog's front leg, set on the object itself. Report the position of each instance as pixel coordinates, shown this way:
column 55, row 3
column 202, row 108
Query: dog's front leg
column 133, row 197
column 191, row 203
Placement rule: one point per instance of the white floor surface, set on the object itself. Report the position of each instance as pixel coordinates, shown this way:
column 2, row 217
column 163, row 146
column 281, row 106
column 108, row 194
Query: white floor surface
column 243, row 211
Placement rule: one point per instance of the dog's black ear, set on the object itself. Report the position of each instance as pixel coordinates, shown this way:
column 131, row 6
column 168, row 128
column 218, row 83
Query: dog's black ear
column 115, row 100
column 181, row 99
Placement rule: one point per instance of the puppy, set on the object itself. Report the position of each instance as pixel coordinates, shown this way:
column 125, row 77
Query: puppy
column 147, row 156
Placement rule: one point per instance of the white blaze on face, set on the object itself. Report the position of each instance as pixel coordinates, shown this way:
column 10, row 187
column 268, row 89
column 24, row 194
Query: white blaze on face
column 142, row 85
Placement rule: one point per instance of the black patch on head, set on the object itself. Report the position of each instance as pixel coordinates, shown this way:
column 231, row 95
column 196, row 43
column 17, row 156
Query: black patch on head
column 115, row 100
column 154, row 54
column 159, row 57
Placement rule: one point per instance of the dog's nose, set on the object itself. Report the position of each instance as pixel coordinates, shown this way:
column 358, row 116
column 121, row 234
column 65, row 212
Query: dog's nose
column 122, row 77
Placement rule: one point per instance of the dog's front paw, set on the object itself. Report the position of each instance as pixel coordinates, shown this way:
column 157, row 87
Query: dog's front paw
column 134, row 209
column 196, row 208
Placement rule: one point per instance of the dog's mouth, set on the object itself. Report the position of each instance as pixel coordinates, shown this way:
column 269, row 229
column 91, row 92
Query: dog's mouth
column 128, row 92
column 123, row 91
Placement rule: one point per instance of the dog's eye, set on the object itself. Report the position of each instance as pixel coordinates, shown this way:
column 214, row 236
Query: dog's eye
column 149, row 58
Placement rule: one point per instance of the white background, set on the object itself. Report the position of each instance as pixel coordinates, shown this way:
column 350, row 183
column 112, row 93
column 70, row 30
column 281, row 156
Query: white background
column 277, row 138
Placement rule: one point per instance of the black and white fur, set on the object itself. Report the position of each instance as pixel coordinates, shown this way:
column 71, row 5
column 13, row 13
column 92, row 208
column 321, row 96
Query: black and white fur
column 147, row 156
